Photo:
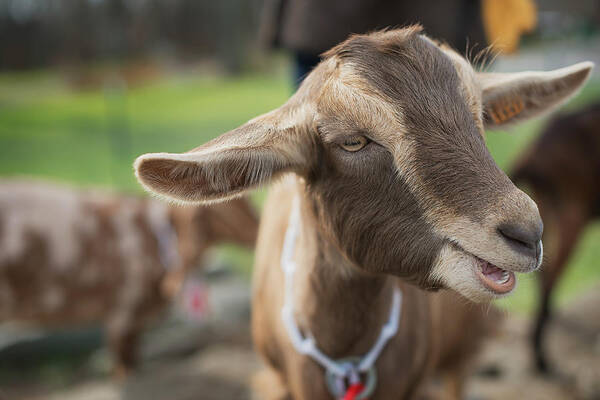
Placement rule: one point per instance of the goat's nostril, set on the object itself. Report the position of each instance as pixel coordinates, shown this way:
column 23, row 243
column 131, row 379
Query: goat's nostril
column 524, row 236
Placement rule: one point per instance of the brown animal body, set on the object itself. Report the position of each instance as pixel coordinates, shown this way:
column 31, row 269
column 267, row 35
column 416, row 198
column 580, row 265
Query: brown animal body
column 562, row 171
column 70, row 257
column 383, row 146
column 346, row 309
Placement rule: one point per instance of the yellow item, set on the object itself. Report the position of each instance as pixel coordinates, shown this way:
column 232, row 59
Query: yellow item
column 506, row 20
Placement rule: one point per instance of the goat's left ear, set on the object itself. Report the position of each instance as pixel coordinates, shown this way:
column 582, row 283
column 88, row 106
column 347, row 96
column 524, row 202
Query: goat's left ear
column 514, row 97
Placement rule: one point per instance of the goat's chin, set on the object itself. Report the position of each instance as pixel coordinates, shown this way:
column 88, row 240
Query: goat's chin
column 462, row 272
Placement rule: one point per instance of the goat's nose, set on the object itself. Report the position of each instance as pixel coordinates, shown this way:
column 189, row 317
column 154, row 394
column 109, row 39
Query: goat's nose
column 523, row 236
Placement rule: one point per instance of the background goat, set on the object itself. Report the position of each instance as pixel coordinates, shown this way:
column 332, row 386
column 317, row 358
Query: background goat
column 562, row 171
column 71, row 257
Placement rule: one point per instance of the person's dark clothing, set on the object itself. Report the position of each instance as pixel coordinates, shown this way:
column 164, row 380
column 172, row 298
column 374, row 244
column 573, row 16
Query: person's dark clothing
column 310, row 27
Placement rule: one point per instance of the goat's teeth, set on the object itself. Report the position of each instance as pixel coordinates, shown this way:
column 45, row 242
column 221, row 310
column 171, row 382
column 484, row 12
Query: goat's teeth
column 505, row 276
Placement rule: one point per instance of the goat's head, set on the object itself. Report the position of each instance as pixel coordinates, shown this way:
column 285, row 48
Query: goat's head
column 387, row 133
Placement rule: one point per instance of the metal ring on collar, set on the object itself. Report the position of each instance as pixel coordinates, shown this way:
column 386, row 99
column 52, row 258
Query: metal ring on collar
column 331, row 379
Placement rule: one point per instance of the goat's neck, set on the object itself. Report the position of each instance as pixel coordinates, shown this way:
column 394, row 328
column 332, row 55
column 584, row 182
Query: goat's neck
column 341, row 305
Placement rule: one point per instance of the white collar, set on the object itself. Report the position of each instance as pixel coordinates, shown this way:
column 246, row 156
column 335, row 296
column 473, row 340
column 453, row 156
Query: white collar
column 307, row 345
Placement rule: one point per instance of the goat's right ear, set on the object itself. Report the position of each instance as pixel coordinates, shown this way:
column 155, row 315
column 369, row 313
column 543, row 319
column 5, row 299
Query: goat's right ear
column 234, row 162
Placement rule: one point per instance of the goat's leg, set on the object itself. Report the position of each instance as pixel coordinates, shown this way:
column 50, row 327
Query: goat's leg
column 543, row 315
column 570, row 225
column 123, row 334
column 453, row 384
column 123, row 346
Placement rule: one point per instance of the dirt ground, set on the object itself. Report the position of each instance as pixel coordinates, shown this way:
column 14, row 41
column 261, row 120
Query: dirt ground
column 217, row 361
column 573, row 345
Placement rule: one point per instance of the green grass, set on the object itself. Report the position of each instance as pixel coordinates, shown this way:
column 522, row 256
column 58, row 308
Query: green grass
column 91, row 138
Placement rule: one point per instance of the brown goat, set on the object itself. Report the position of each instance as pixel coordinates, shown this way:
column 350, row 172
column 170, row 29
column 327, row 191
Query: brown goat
column 70, row 257
column 383, row 149
column 562, row 171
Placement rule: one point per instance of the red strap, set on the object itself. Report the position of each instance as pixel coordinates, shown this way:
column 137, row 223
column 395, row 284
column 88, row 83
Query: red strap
column 353, row 391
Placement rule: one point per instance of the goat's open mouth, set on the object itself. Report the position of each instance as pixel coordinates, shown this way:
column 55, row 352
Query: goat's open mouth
column 496, row 279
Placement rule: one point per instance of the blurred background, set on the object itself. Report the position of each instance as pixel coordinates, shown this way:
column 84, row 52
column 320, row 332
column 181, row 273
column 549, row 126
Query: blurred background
column 87, row 85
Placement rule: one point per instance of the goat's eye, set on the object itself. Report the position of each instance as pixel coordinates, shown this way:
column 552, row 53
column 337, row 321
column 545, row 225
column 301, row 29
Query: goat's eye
column 354, row 143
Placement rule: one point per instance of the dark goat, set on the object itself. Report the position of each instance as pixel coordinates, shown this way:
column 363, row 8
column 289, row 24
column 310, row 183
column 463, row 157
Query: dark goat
column 562, row 170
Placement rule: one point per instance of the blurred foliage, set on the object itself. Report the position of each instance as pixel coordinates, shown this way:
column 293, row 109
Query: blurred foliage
column 36, row 33
column 90, row 138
